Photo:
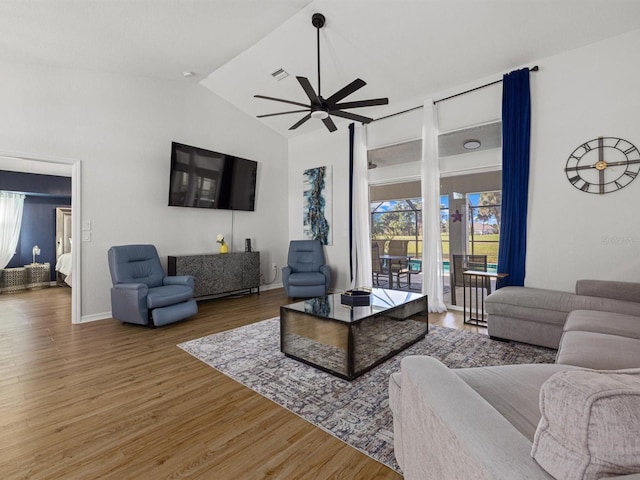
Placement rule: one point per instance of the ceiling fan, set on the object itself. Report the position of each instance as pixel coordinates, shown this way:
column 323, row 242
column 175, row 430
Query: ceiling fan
column 323, row 108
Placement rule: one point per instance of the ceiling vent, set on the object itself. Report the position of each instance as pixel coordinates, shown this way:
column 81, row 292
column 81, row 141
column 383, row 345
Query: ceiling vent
column 279, row 74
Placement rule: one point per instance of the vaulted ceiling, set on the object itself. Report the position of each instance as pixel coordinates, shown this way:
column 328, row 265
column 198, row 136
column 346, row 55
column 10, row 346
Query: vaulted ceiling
column 403, row 49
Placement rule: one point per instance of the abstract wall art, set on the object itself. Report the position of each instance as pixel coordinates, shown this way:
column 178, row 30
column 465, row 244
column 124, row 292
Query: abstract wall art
column 317, row 204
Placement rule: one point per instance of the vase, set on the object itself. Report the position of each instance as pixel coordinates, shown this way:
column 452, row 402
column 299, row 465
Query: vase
column 224, row 248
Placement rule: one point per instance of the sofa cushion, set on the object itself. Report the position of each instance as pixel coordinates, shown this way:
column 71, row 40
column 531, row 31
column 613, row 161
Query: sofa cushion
column 168, row 295
column 307, row 278
column 526, row 331
column 625, row 291
column 545, row 306
column 599, row 351
column 603, row 322
column 513, row 390
column 589, row 424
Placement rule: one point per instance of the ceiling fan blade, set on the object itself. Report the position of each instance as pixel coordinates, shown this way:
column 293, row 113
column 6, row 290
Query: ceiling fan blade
column 281, row 113
column 361, row 103
column 308, row 89
column 351, row 116
column 300, row 122
column 329, row 124
column 281, row 100
column 357, row 84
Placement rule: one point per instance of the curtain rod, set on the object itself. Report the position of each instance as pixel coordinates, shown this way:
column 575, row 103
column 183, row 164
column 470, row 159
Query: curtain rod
column 435, row 102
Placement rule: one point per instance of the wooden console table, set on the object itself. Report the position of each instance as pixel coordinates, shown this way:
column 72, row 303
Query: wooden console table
column 220, row 273
column 476, row 279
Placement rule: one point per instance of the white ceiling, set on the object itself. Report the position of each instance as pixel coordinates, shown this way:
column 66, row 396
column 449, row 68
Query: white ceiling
column 151, row 38
column 403, row 49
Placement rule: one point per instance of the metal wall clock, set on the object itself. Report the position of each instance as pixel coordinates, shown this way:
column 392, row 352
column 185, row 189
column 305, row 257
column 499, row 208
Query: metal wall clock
column 603, row 165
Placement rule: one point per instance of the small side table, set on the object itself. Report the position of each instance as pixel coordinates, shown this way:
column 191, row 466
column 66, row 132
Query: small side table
column 38, row 275
column 477, row 280
column 12, row 279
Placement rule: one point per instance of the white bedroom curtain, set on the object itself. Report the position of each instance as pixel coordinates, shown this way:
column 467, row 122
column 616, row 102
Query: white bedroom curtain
column 432, row 284
column 361, row 249
column 11, row 205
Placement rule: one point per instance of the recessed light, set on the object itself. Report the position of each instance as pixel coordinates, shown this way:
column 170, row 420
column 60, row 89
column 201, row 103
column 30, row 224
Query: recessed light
column 471, row 144
column 187, row 74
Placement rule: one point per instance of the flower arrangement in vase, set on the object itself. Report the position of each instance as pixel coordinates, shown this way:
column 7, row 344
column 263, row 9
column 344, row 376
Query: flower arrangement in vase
column 223, row 246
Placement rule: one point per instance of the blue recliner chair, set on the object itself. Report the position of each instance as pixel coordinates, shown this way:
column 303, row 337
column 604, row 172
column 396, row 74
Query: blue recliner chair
column 306, row 275
column 142, row 293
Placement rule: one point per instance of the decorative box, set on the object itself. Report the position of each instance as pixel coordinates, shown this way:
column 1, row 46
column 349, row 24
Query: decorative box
column 356, row 298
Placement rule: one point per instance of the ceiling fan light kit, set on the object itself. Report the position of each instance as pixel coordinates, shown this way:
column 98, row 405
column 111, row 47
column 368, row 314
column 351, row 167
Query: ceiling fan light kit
column 320, row 114
column 319, row 107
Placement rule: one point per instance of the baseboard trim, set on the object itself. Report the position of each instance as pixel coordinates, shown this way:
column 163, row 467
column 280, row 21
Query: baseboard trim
column 95, row 317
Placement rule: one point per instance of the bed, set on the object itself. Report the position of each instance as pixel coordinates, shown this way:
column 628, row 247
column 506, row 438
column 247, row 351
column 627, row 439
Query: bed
column 63, row 246
column 63, row 269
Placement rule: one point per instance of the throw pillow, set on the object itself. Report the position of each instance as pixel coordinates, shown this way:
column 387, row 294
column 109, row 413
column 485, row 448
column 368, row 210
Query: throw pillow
column 589, row 424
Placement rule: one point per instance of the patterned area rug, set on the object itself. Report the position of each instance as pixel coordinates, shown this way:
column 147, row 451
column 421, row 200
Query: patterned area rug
column 356, row 412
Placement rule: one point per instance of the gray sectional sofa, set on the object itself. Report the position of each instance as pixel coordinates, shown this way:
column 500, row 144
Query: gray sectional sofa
column 576, row 419
column 482, row 423
column 537, row 316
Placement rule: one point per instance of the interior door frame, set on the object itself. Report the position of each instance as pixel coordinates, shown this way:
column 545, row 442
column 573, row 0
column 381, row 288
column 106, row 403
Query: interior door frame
column 76, row 231
column 63, row 237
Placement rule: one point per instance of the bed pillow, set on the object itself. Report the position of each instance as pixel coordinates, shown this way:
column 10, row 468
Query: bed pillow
column 589, row 424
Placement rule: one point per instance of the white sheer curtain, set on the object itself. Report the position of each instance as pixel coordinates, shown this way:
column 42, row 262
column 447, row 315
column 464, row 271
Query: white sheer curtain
column 11, row 205
column 432, row 283
column 361, row 247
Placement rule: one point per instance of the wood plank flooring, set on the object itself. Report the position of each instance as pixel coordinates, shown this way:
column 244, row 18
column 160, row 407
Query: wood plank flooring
column 106, row 400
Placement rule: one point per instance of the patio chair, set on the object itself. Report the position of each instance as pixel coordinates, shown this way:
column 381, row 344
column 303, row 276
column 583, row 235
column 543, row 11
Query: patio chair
column 376, row 264
column 398, row 247
column 413, row 267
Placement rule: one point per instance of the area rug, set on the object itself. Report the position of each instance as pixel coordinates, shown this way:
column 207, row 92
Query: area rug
column 356, row 412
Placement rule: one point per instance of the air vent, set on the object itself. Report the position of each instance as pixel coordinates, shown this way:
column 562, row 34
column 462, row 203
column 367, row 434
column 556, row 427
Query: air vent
column 279, row 74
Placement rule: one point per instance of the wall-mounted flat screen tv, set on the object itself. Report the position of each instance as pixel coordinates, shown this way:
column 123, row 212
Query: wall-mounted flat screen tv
column 205, row 179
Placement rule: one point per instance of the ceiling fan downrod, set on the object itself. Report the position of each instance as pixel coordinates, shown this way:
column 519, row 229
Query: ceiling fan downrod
column 317, row 20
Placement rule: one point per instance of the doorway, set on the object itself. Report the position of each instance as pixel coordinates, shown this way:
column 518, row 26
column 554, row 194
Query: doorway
column 396, row 234
column 63, row 167
column 470, row 184
column 470, row 216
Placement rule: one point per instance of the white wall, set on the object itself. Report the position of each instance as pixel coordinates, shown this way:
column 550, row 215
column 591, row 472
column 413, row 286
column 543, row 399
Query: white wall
column 121, row 129
column 318, row 149
column 576, row 96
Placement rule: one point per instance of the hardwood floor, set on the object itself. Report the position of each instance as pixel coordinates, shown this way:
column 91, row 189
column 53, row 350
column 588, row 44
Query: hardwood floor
column 107, row 400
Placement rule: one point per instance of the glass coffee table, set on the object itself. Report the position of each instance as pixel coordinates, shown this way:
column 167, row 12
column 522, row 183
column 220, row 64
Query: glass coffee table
column 347, row 341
